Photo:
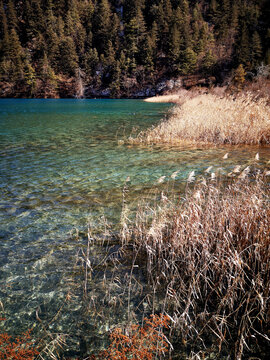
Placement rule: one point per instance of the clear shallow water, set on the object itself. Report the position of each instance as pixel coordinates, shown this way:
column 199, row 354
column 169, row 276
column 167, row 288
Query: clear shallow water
column 60, row 161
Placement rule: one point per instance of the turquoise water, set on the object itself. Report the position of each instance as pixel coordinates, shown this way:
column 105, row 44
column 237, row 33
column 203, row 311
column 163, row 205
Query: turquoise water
column 61, row 163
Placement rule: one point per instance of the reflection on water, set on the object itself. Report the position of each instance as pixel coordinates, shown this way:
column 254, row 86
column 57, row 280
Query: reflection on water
column 60, row 161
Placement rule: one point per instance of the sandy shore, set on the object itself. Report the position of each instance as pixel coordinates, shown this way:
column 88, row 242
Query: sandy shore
column 165, row 99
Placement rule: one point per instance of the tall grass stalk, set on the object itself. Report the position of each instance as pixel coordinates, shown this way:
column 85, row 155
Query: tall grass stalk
column 209, row 256
column 208, row 119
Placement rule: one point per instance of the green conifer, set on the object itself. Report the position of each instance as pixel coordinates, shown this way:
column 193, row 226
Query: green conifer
column 110, row 55
column 91, row 61
column 49, row 79
column 149, row 55
column 244, row 47
column 30, row 77
column 185, row 26
column 256, row 49
column 115, row 31
column 102, row 23
column 208, row 62
column 123, row 63
column 12, row 16
column 87, row 12
column 69, row 60
column 214, row 11
column 4, row 42
column 15, row 54
column 223, row 24
column 234, row 16
column 174, row 45
column 115, row 85
column 131, row 32
column 2, row 19
column 188, row 61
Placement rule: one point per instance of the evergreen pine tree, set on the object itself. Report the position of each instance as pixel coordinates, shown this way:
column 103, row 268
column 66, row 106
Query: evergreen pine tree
column 115, row 31
column 37, row 17
column 110, row 56
column 223, row 24
column 185, row 26
column 164, row 20
column 256, row 49
column 2, row 19
column 102, row 23
column 214, row 12
column 12, row 16
column 131, row 8
column 51, row 38
column 174, row 45
column 30, row 77
column 5, row 62
column 87, row 12
column 206, row 40
column 149, row 55
column 141, row 37
column 116, row 81
column 15, row 54
column 208, row 62
column 244, row 48
column 123, row 63
column 60, row 8
column 188, row 61
column 29, row 19
column 91, row 61
column 49, row 79
column 131, row 30
column 4, row 42
column 69, row 60
column 154, row 38
column 234, row 16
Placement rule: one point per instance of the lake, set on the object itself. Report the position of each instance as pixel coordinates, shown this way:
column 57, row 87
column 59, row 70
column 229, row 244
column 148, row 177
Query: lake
column 62, row 166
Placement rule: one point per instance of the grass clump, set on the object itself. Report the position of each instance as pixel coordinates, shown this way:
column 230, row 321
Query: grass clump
column 210, row 119
column 209, row 258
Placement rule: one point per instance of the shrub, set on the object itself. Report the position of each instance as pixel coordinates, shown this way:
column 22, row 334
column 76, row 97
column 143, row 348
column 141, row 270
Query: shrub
column 20, row 348
column 138, row 342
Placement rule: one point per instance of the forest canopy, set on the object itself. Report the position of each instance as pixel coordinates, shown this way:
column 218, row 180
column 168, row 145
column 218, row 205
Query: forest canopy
column 46, row 44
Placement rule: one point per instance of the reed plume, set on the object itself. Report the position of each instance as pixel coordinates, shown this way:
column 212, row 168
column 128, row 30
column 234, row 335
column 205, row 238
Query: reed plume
column 209, row 257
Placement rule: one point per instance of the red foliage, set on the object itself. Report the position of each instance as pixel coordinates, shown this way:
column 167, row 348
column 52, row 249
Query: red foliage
column 139, row 343
column 20, row 348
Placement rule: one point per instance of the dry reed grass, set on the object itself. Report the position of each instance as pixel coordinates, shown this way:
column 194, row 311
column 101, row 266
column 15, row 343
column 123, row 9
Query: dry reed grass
column 173, row 98
column 209, row 257
column 209, row 119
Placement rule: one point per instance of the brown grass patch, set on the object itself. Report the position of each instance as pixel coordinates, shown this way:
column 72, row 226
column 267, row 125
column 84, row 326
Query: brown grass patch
column 209, row 119
column 165, row 99
column 209, row 257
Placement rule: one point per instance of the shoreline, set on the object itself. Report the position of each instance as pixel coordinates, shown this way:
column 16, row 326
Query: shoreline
column 173, row 98
column 208, row 118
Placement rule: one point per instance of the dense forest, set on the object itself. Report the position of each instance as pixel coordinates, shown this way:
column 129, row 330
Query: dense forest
column 52, row 48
